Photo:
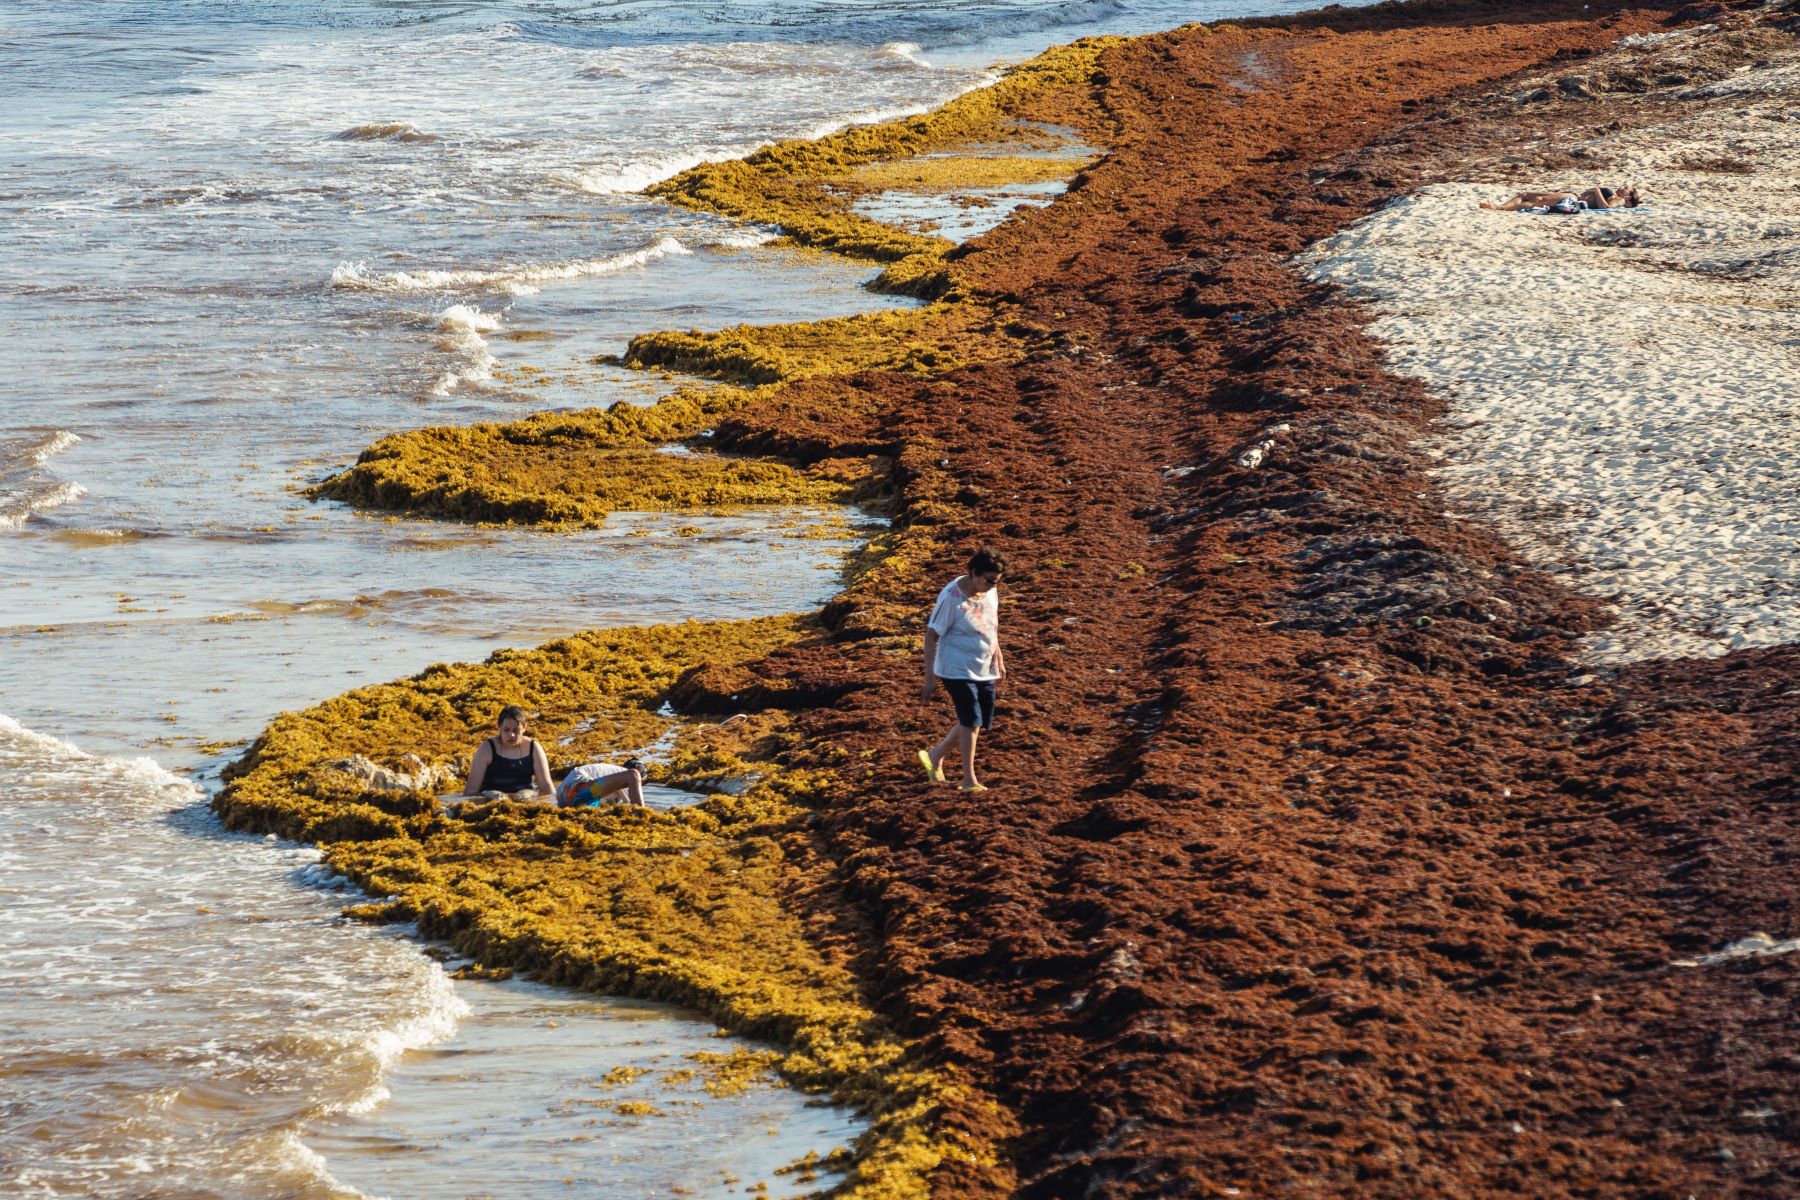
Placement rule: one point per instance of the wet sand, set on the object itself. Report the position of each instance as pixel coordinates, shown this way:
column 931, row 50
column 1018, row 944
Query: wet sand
column 1321, row 860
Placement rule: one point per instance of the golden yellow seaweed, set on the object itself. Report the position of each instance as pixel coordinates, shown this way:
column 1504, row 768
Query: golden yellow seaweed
column 572, row 470
column 956, row 172
column 923, row 341
column 684, row 906
column 693, row 905
column 506, row 473
column 807, row 187
column 636, row 1108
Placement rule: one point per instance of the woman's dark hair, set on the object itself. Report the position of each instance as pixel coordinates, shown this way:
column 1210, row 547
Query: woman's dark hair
column 511, row 712
column 987, row 561
column 635, row 764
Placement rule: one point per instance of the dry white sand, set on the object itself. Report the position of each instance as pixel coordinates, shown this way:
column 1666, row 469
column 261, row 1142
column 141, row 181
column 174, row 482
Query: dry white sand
column 1623, row 386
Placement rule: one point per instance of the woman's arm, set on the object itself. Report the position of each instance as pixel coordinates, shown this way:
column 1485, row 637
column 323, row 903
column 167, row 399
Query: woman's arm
column 999, row 654
column 477, row 770
column 931, row 643
column 540, row 767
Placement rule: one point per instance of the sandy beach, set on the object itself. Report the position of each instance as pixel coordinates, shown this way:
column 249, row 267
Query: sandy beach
column 1396, row 767
column 1620, row 386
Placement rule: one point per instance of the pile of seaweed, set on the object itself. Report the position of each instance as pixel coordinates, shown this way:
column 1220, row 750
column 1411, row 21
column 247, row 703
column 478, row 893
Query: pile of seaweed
column 1315, row 865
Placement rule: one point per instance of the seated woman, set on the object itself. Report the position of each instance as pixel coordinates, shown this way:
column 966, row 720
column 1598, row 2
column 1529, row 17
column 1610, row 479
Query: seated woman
column 1594, row 197
column 592, row 783
column 509, row 763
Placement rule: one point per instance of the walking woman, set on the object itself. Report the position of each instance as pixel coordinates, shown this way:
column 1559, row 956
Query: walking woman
column 962, row 651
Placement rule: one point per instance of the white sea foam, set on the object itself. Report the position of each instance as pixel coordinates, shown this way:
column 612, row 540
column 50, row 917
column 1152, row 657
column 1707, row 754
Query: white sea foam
column 467, row 316
column 436, row 1021
column 22, row 491
column 438, row 1011
column 873, row 116
column 746, row 238
column 15, row 736
column 615, row 178
column 1757, row 945
column 516, row 281
column 18, row 504
column 51, row 758
column 476, row 375
column 302, row 1160
column 324, row 878
column 909, row 52
column 630, row 177
column 461, row 327
column 1639, row 40
column 223, row 1089
column 636, row 176
column 35, row 451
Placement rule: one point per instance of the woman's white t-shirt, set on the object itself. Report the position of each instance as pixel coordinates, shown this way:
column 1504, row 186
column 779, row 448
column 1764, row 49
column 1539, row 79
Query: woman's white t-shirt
column 968, row 629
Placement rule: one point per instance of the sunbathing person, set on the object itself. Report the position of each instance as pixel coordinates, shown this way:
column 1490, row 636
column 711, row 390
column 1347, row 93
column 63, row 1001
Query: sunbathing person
column 1594, row 197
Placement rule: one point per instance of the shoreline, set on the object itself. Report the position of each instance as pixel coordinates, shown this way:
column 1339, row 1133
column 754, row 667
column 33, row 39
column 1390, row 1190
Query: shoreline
column 1311, row 857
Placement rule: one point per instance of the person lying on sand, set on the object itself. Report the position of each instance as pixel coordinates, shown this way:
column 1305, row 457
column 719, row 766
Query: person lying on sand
column 1594, row 197
column 509, row 763
column 592, row 783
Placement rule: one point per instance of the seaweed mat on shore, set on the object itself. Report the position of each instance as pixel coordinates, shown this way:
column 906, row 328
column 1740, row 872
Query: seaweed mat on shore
column 1318, row 866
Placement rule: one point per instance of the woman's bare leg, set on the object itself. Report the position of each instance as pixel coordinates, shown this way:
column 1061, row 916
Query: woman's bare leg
column 951, row 741
column 629, row 782
column 968, row 756
column 1528, row 200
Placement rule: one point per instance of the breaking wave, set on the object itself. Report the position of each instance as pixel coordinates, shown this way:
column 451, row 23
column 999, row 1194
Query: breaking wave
column 466, row 317
column 460, row 328
column 384, row 131
column 22, row 490
column 515, row 281
column 903, row 52
column 33, row 451
column 635, row 177
column 746, row 238
column 28, row 752
column 875, row 116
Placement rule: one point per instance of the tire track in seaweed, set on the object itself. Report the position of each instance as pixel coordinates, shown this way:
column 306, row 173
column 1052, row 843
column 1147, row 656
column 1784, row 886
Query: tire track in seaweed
column 1082, row 509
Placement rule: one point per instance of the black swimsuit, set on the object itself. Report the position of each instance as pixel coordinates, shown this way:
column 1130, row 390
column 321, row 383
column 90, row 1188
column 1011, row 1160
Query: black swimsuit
column 509, row 774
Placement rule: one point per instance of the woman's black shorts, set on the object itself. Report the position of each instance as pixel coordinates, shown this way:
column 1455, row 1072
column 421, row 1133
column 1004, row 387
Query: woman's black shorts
column 974, row 700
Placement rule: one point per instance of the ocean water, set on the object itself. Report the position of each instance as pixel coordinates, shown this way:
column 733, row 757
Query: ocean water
column 238, row 242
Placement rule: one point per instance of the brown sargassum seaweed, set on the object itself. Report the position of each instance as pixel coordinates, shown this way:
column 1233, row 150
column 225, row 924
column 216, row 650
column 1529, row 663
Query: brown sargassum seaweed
column 701, row 906
column 1286, row 890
